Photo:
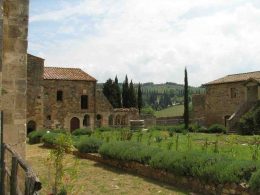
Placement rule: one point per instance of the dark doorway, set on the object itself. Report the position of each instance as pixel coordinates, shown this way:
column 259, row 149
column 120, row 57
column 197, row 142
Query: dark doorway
column 74, row 124
column 31, row 126
column 99, row 120
column 226, row 120
column 86, row 121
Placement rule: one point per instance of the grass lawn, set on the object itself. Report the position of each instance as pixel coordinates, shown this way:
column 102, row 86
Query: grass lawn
column 171, row 111
column 95, row 178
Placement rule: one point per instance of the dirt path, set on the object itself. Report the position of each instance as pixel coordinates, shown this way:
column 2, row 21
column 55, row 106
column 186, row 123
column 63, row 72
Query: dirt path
column 95, row 178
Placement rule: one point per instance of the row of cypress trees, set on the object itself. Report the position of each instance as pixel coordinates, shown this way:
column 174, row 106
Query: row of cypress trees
column 128, row 98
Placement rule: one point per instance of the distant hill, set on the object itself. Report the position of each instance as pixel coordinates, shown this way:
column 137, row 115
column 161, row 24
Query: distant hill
column 161, row 96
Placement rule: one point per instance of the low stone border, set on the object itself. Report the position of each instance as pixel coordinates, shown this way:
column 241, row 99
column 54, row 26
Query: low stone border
column 179, row 181
column 189, row 183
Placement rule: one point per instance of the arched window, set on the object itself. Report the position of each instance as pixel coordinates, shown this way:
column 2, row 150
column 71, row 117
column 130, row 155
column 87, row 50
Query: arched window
column 31, row 126
column 84, row 102
column 59, row 96
column 86, row 121
column 111, row 120
column 118, row 120
column 99, row 120
column 74, row 124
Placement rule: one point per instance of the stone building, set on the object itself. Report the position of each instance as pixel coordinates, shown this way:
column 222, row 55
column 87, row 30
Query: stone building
column 67, row 98
column 227, row 98
column 13, row 70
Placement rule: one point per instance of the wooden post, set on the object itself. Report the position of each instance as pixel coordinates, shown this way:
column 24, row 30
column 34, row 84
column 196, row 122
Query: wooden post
column 2, row 160
column 13, row 179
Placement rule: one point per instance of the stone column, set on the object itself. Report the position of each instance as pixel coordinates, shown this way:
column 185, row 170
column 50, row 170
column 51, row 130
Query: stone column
column 14, row 72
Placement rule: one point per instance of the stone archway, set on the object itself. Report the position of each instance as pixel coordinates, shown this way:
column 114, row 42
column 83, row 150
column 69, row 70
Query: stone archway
column 74, row 124
column 31, row 126
column 111, row 120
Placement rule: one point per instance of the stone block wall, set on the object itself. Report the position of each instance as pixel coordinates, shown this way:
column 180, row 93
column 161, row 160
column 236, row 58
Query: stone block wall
column 35, row 90
column 14, row 21
column 57, row 114
column 219, row 102
column 198, row 106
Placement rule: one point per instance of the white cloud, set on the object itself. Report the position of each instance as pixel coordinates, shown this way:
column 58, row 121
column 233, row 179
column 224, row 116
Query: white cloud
column 153, row 40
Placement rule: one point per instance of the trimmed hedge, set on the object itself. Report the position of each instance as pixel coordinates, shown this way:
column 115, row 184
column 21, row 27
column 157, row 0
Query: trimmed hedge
column 216, row 168
column 79, row 132
column 50, row 138
column 35, row 136
column 89, row 145
column 217, row 128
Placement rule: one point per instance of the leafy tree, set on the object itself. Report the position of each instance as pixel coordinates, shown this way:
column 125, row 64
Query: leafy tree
column 186, row 100
column 109, row 90
column 139, row 98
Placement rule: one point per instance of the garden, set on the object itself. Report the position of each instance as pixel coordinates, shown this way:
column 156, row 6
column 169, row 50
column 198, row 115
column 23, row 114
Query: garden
column 208, row 155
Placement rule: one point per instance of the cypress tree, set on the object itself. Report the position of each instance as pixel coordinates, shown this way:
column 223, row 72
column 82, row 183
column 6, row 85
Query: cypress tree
column 109, row 92
column 117, row 94
column 125, row 93
column 132, row 96
column 186, row 100
column 140, row 99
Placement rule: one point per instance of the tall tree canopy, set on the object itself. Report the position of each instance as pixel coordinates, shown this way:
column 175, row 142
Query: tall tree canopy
column 186, row 100
column 125, row 93
column 118, row 94
column 132, row 96
column 139, row 98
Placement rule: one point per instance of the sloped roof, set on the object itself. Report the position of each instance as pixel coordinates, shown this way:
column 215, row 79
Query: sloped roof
column 236, row 78
column 72, row 74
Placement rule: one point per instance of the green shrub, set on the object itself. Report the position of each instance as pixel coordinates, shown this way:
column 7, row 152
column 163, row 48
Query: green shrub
column 59, row 131
column 89, row 145
column 257, row 119
column 254, row 182
column 246, row 124
column 126, row 134
column 148, row 110
column 35, row 136
column 128, row 151
column 50, row 138
column 84, row 131
column 217, row 128
column 102, row 129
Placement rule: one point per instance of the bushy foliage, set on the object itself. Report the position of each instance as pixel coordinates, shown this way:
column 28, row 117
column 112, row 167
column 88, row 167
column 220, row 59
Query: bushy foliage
column 128, row 151
column 89, row 145
column 209, row 167
column 257, row 119
column 147, row 110
column 84, row 131
column 35, row 136
column 246, row 124
column 254, row 182
column 102, row 129
column 59, row 131
column 50, row 138
column 217, row 128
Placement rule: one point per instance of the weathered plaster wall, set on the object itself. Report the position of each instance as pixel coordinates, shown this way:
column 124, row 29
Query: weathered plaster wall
column 219, row 102
column 35, row 90
column 14, row 71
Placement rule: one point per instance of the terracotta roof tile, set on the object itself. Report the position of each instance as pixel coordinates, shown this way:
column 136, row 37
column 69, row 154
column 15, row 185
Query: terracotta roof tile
column 74, row 74
column 236, row 78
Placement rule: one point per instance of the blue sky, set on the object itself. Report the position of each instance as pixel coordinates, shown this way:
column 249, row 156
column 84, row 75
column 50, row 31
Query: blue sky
column 150, row 40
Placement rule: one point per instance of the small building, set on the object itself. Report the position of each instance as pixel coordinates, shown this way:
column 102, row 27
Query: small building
column 67, row 98
column 227, row 99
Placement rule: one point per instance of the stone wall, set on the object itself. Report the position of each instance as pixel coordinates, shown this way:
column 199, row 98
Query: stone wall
column 198, row 108
column 35, row 90
column 14, row 71
column 103, row 108
column 219, row 103
column 58, row 114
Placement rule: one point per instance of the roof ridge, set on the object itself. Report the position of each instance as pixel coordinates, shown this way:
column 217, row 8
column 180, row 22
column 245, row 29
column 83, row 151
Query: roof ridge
column 62, row 67
column 243, row 73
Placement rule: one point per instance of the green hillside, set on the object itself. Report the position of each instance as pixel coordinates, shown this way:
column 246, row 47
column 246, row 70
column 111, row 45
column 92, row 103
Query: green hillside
column 170, row 111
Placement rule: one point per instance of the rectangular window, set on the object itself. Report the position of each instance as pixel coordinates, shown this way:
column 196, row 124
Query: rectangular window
column 234, row 92
column 84, row 102
column 59, row 96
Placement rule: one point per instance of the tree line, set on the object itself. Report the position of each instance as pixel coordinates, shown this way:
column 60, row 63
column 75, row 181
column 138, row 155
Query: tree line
column 128, row 97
